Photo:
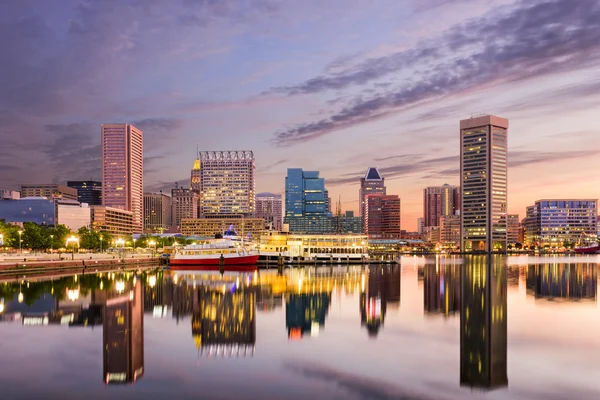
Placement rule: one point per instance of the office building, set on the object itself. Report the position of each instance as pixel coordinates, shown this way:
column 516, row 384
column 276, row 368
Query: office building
column 39, row 210
column 123, row 336
column 483, row 322
column 123, row 170
column 73, row 215
column 184, row 204
column 306, row 203
column 483, row 171
column 450, row 230
column 349, row 223
column 6, row 194
column 372, row 183
column 420, row 226
column 226, row 182
column 439, row 201
column 89, row 192
column 555, row 222
column 157, row 212
column 513, row 227
column 382, row 216
column 269, row 207
column 50, row 191
column 112, row 220
column 211, row 225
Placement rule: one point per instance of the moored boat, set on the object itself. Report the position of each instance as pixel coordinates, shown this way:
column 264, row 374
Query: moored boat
column 213, row 252
column 590, row 249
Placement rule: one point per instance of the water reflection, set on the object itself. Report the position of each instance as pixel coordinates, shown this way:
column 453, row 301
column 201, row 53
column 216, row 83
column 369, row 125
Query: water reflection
column 382, row 288
column 441, row 289
column 562, row 281
column 483, row 322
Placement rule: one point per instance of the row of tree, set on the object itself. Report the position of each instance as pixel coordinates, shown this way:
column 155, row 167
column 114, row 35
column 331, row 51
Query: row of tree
column 42, row 237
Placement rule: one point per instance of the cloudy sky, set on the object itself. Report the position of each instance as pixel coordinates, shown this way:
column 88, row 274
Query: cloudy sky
column 336, row 86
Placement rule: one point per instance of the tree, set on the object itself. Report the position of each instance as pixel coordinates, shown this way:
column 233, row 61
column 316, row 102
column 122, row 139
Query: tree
column 518, row 245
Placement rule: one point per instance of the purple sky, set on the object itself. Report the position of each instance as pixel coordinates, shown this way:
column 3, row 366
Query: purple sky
column 337, row 86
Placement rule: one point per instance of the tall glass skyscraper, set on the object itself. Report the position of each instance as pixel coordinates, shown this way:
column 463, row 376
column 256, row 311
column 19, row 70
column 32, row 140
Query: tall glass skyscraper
column 305, row 202
column 483, row 171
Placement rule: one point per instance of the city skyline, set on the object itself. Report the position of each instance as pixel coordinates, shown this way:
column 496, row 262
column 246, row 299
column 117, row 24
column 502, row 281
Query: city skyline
column 296, row 102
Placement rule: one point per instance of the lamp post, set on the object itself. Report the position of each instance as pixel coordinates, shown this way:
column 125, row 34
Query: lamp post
column 122, row 243
column 51, row 244
column 75, row 241
column 153, row 244
column 101, row 247
column 20, row 241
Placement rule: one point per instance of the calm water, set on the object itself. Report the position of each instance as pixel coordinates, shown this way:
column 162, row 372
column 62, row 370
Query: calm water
column 430, row 328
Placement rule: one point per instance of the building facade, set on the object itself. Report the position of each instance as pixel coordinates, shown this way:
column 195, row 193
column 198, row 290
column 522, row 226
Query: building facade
column 306, row 202
column 73, row 215
column 6, row 194
column 184, row 204
column 450, row 230
column 513, row 227
column 123, row 170
column 157, row 212
column 196, row 176
column 227, row 183
column 382, row 216
column 51, row 191
column 555, row 222
column 439, row 201
column 483, row 171
column 89, row 192
column 371, row 183
column 39, row 210
column 112, row 220
column 213, row 224
column 269, row 207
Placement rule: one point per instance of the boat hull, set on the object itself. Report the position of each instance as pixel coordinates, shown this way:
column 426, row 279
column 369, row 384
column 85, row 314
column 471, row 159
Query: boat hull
column 249, row 260
column 587, row 250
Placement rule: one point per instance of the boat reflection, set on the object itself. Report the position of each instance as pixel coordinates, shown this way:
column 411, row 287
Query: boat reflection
column 381, row 289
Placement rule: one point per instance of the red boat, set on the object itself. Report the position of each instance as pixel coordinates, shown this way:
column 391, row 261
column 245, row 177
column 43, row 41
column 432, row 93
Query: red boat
column 591, row 249
column 214, row 252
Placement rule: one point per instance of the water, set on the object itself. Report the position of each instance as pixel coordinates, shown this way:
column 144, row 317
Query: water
column 431, row 328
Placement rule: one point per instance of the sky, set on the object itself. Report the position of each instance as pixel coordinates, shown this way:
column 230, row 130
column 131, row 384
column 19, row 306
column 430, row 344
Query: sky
column 336, row 86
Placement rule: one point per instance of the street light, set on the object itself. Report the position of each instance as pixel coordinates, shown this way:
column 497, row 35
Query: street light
column 152, row 243
column 51, row 243
column 122, row 243
column 75, row 241
column 101, row 247
column 20, row 241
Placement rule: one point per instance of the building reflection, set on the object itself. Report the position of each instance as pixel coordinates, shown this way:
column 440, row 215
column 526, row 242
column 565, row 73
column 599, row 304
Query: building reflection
column 381, row 289
column 441, row 289
column 563, row 281
column 306, row 313
column 224, row 321
column 483, row 327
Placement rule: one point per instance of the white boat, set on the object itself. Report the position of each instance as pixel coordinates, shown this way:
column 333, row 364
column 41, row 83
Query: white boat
column 213, row 252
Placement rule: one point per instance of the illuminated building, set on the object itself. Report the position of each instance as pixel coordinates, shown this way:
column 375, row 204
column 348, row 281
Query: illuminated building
column 450, row 230
column 224, row 322
column 89, row 192
column 184, row 204
column 554, row 222
column 123, row 170
column 381, row 289
column 157, row 212
column 269, row 206
column 483, row 171
column 513, row 226
column 306, row 203
column 483, row 324
column 123, row 336
column 51, row 191
column 439, row 201
column 382, row 216
column 306, row 313
column 226, row 183
column 562, row 281
column 372, row 183
column 196, row 176
column 210, row 225
column 112, row 220
column 441, row 289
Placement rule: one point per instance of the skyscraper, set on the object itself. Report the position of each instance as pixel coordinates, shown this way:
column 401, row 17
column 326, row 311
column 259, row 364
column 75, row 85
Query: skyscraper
column 196, row 178
column 372, row 183
column 483, row 171
column 123, row 170
column 157, row 212
column 89, row 192
column 270, row 207
column 305, row 202
column 184, row 204
column 438, row 201
column 382, row 216
column 226, row 182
